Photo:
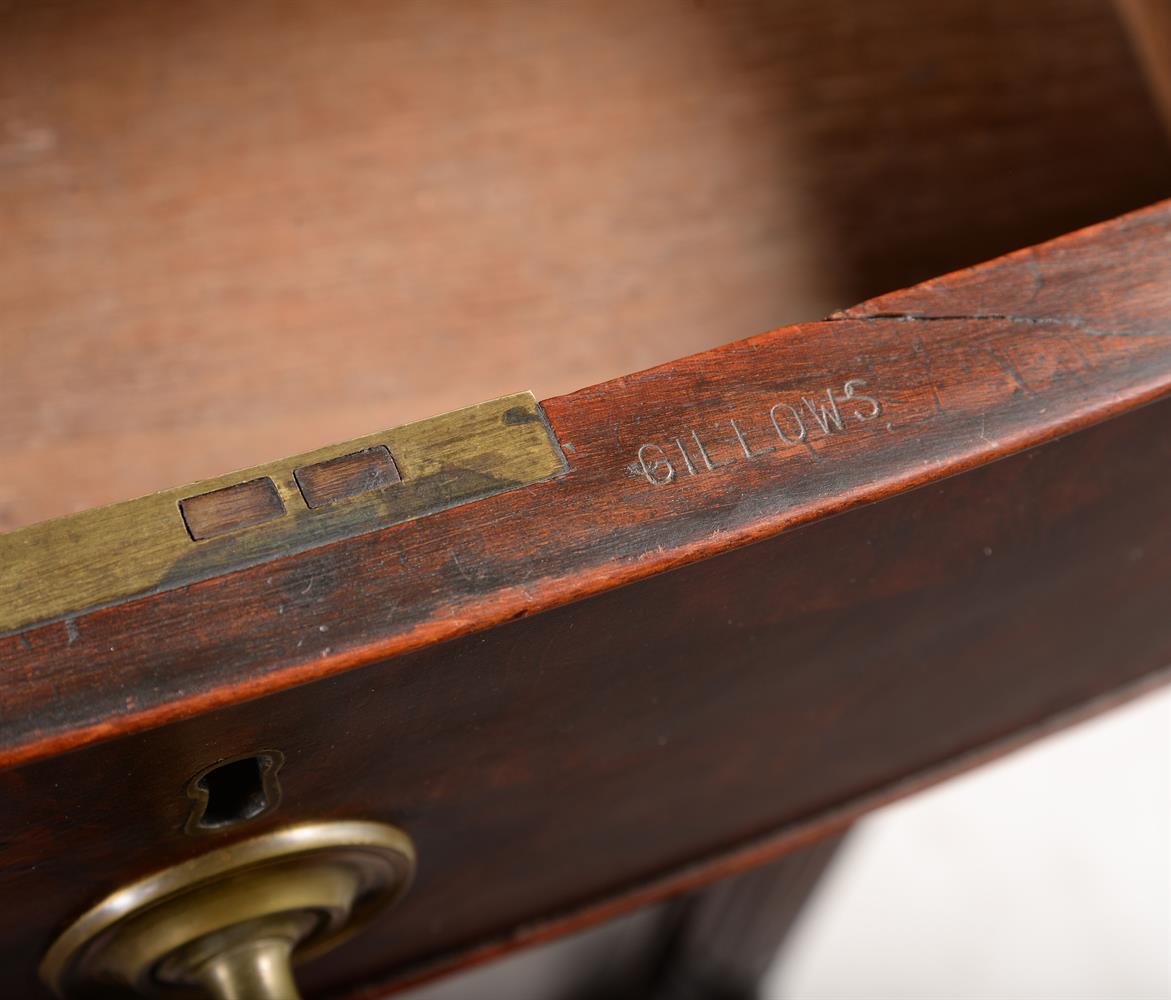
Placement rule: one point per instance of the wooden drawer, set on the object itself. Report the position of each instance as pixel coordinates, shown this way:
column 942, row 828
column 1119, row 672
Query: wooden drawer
column 593, row 652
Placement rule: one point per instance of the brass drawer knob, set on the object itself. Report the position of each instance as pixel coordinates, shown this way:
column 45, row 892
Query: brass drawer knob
column 231, row 922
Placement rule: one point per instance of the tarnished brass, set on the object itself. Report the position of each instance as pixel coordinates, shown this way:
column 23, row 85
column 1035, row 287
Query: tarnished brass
column 228, row 925
column 59, row 568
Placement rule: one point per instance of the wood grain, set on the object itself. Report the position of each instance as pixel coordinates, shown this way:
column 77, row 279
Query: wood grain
column 666, row 466
column 234, row 232
column 561, row 769
column 237, row 232
column 347, row 476
column 566, row 729
column 231, row 508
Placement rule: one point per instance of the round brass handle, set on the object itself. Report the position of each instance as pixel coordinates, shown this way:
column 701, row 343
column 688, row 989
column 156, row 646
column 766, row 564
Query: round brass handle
column 229, row 924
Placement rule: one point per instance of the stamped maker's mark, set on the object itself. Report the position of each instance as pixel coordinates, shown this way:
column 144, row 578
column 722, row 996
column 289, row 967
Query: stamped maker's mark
column 786, row 425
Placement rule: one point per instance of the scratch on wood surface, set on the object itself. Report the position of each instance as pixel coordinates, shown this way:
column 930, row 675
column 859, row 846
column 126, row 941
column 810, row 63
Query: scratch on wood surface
column 1076, row 322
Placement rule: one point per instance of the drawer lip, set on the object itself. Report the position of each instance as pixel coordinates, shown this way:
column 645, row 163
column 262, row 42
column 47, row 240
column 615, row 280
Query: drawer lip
column 964, row 370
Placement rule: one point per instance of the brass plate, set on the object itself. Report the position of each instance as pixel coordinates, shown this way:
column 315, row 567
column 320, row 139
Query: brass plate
column 60, row 568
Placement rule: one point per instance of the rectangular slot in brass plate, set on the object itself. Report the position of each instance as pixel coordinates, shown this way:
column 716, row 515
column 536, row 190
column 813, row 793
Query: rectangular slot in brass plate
column 244, row 505
column 347, row 476
column 99, row 557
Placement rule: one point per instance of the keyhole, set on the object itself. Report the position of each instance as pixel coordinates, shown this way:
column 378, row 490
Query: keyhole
column 234, row 791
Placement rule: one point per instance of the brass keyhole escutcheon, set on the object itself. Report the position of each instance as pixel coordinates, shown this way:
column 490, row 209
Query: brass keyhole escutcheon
column 229, row 925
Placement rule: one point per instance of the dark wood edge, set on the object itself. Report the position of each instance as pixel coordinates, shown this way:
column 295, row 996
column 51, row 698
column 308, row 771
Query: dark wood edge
column 1096, row 300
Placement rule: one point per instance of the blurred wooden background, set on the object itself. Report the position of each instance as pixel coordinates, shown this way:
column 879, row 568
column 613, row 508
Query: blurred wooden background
column 230, row 232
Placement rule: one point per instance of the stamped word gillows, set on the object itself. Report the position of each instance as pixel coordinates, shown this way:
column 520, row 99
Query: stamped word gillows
column 788, row 424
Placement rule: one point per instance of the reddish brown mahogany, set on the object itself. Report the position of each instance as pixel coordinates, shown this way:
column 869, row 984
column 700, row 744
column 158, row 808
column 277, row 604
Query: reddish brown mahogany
column 899, row 540
column 240, row 232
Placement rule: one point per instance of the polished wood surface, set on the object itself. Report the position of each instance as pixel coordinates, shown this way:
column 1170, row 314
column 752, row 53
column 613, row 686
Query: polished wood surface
column 559, row 770
column 567, row 730
column 233, row 232
column 667, row 466
column 239, row 231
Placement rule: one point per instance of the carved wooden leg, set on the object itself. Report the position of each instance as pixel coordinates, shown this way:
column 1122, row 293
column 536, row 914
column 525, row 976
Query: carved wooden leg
column 726, row 935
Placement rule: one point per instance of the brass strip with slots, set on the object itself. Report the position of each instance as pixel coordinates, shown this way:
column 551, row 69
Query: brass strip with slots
column 60, row 568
